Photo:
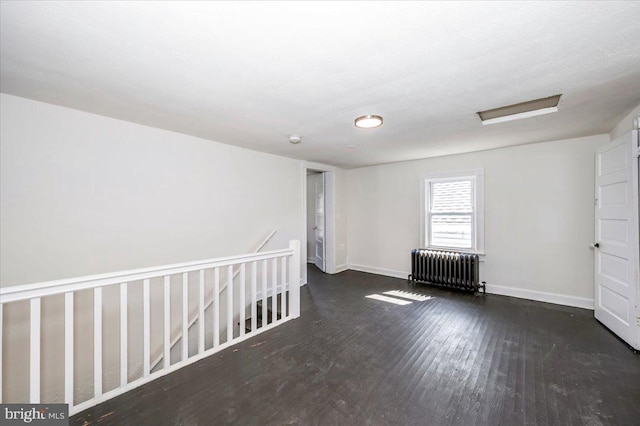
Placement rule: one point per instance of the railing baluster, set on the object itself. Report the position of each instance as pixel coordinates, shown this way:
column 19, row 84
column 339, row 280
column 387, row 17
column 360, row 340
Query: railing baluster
column 1, row 364
column 146, row 328
column 124, row 359
column 216, row 307
column 283, row 288
column 185, row 316
column 201, row 314
column 34, row 396
column 229, row 303
column 274, row 290
column 167, row 321
column 254, row 298
column 97, row 341
column 294, row 278
column 243, row 306
column 68, row 348
column 264, row 292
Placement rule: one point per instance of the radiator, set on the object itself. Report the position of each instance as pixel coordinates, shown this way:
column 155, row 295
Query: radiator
column 445, row 268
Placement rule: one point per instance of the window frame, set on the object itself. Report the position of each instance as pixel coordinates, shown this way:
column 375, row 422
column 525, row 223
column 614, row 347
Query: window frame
column 477, row 190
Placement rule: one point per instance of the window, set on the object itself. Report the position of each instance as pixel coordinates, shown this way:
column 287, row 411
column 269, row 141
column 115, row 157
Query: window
column 452, row 215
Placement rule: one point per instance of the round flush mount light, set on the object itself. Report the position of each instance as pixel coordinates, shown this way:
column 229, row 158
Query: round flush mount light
column 295, row 139
column 368, row 121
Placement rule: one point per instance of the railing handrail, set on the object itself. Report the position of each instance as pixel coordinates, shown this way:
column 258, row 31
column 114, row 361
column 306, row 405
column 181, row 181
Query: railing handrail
column 49, row 288
column 262, row 244
column 266, row 240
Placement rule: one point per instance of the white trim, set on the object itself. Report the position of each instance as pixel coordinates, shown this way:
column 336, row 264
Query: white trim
column 541, row 296
column 342, row 268
column 636, row 192
column 49, row 288
column 521, row 293
column 311, row 260
column 329, row 221
column 329, row 216
column 477, row 176
column 319, row 167
column 379, row 271
column 448, row 175
column 520, row 115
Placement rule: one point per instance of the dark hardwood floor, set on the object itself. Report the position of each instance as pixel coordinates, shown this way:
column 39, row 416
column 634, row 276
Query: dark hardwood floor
column 457, row 359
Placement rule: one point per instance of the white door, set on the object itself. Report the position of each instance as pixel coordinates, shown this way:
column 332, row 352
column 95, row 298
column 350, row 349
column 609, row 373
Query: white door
column 616, row 243
column 319, row 224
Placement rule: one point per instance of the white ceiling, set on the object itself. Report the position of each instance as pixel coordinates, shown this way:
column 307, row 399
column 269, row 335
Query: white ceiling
column 251, row 74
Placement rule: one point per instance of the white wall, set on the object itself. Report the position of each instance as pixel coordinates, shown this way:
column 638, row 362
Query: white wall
column 625, row 125
column 342, row 228
column 85, row 194
column 538, row 217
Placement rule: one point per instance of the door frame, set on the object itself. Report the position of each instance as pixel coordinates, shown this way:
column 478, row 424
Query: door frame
column 321, row 262
column 635, row 131
column 329, row 216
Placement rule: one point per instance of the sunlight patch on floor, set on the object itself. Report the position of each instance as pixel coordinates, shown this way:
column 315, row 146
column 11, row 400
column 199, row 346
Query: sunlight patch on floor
column 388, row 299
column 411, row 296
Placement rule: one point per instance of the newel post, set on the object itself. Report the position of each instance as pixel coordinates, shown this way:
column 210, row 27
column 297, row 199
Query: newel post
column 294, row 278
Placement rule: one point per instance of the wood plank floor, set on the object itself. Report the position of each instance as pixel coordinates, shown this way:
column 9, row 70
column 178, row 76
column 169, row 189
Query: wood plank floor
column 457, row 359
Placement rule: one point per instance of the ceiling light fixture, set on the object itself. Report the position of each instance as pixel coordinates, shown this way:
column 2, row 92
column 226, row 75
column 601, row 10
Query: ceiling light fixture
column 521, row 110
column 368, row 121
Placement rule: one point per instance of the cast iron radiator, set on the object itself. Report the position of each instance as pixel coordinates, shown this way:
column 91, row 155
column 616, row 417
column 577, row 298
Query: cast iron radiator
column 446, row 268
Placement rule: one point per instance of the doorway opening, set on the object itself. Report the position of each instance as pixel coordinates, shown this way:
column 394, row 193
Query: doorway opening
column 316, row 219
column 318, row 179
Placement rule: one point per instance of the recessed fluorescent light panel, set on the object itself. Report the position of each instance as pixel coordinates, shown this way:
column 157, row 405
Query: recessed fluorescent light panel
column 521, row 110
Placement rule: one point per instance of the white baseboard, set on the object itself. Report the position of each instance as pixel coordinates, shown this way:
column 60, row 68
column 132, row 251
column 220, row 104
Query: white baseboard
column 311, row 260
column 542, row 296
column 341, row 268
column 380, row 271
column 521, row 293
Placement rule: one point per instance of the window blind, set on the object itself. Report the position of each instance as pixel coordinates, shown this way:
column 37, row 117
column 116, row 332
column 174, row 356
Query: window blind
column 451, row 213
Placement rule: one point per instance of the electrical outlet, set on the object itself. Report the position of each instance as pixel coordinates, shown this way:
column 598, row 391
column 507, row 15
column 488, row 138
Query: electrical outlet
column 342, row 246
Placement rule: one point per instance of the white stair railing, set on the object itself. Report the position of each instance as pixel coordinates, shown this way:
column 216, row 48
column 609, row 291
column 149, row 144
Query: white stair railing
column 285, row 275
column 195, row 316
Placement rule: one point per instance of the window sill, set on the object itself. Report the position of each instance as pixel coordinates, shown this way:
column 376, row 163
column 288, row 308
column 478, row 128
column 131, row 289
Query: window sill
column 481, row 255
